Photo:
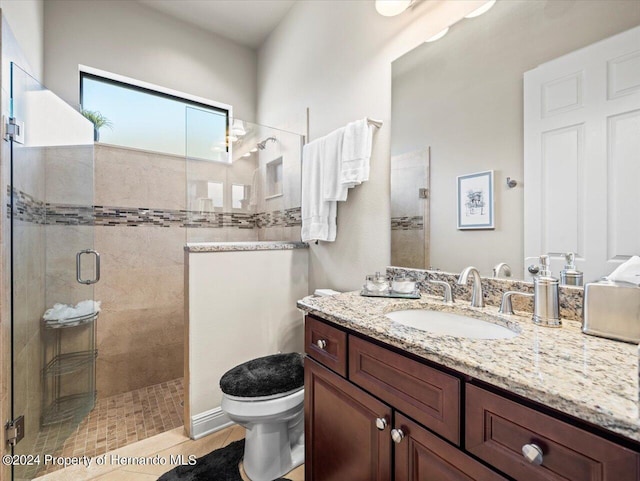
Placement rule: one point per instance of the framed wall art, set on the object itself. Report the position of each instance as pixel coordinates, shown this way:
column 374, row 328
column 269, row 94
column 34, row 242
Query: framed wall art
column 475, row 201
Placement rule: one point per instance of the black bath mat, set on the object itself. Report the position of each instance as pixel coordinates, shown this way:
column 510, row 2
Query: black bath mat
column 218, row 465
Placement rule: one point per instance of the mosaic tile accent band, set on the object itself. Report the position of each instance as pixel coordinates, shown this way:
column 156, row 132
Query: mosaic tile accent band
column 407, row 223
column 29, row 209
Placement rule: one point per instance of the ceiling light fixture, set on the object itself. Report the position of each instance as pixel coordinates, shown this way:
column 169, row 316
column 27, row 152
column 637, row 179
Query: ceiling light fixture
column 480, row 10
column 438, row 35
column 391, row 8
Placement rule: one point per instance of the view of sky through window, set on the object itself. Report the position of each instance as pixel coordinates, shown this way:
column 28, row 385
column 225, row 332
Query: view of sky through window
column 146, row 120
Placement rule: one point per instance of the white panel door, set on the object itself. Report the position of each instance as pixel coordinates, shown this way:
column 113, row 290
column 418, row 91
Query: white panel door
column 582, row 156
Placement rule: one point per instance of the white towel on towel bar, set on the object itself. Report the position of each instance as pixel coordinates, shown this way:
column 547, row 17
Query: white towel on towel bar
column 356, row 152
column 318, row 215
column 331, row 159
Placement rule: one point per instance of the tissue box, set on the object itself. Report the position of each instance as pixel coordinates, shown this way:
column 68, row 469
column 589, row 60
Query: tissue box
column 612, row 310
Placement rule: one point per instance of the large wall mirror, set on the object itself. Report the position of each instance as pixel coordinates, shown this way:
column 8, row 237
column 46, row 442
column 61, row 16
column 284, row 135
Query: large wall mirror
column 457, row 108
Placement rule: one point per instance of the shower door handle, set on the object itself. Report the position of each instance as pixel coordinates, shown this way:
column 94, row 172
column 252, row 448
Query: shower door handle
column 79, row 267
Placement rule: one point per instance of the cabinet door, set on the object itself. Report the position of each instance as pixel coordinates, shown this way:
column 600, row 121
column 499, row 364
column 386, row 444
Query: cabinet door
column 422, row 456
column 342, row 441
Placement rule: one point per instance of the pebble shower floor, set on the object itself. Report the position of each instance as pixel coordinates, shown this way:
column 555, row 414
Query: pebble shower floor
column 117, row 421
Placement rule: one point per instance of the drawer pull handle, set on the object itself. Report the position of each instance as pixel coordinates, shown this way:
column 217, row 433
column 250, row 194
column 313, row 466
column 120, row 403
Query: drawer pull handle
column 381, row 423
column 321, row 343
column 532, row 453
column 397, row 435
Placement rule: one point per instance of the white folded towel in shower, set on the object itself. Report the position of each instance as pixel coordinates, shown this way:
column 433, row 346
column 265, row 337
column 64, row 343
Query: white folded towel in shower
column 331, row 160
column 318, row 214
column 64, row 312
column 356, row 152
column 627, row 272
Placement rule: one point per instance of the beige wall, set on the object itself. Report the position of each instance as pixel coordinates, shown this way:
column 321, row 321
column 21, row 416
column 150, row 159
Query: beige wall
column 26, row 19
column 130, row 39
column 463, row 96
column 335, row 58
column 242, row 305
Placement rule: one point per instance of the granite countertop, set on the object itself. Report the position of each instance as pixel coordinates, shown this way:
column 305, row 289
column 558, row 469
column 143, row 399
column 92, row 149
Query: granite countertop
column 588, row 377
column 244, row 246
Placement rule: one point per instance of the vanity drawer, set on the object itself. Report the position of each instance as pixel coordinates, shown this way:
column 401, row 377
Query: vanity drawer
column 497, row 429
column 427, row 395
column 326, row 344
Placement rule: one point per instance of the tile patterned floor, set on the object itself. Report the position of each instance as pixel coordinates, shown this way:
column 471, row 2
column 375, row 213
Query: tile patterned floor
column 164, row 445
column 118, row 421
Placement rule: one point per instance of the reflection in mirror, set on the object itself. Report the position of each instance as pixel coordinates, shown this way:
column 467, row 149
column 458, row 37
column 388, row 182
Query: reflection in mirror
column 463, row 97
column 410, row 209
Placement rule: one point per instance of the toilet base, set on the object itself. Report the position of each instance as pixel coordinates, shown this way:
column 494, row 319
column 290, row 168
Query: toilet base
column 271, row 450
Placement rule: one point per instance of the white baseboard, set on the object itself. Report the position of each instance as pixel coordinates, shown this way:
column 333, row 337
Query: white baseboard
column 209, row 422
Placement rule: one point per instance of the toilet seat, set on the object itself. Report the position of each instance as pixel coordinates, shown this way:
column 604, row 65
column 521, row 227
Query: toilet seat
column 264, row 377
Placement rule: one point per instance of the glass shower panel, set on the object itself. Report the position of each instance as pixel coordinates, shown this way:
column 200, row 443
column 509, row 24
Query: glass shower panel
column 52, row 218
column 251, row 192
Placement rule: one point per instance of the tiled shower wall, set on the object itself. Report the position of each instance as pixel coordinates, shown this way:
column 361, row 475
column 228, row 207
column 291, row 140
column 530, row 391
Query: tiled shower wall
column 142, row 220
column 140, row 331
column 138, row 221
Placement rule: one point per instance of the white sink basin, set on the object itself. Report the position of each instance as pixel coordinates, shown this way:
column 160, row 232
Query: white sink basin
column 450, row 324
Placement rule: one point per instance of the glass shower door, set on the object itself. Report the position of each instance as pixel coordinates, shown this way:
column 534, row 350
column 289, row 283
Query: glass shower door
column 53, row 264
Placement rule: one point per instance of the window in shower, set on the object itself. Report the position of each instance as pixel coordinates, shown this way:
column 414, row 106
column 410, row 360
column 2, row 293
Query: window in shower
column 154, row 120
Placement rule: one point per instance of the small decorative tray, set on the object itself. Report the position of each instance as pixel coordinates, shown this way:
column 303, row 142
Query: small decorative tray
column 392, row 294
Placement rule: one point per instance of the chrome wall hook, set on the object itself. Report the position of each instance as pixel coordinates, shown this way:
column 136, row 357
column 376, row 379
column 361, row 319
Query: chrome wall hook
column 511, row 183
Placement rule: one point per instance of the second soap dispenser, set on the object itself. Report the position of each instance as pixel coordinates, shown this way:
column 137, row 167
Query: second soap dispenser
column 546, row 309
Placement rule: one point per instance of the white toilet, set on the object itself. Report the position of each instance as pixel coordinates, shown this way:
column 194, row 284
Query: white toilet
column 266, row 396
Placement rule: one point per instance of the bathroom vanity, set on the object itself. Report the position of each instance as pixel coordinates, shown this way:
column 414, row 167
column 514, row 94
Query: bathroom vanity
column 388, row 402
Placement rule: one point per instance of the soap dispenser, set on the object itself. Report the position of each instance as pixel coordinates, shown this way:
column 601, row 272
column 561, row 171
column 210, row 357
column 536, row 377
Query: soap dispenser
column 570, row 276
column 546, row 308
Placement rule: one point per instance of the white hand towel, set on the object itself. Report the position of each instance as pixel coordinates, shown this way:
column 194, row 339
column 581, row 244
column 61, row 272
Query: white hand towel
column 356, row 152
column 627, row 272
column 318, row 215
column 331, row 159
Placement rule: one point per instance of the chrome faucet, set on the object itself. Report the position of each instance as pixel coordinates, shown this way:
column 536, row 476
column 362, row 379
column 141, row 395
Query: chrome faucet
column 502, row 268
column 447, row 293
column 505, row 306
column 477, row 299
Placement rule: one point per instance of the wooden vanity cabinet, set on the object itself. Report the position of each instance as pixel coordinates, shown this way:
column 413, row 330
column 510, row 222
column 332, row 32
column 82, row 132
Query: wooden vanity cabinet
column 350, row 419
column 348, row 429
